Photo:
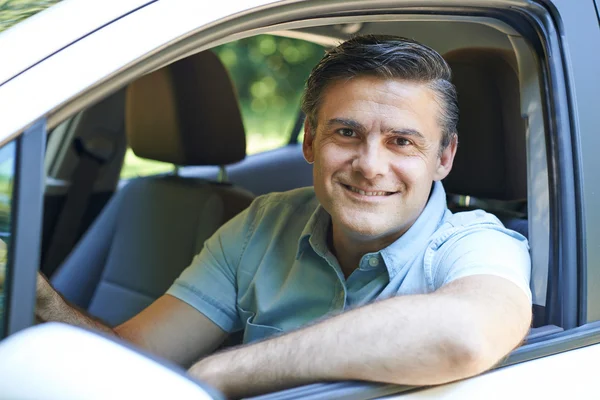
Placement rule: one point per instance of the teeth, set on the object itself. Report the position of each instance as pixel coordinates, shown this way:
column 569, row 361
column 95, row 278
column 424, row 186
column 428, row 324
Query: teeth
column 367, row 193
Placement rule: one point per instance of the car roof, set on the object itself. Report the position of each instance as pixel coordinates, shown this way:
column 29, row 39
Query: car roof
column 58, row 26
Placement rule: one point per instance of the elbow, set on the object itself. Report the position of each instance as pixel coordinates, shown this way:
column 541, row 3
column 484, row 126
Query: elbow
column 469, row 355
column 473, row 351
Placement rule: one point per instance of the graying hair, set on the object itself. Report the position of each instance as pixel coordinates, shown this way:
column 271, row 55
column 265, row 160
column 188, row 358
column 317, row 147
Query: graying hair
column 387, row 57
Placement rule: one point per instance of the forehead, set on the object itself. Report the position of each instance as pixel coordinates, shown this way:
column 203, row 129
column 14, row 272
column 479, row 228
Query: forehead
column 369, row 100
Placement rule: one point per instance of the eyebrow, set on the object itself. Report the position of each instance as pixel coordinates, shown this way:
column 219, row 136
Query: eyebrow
column 346, row 122
column 350, row 123
column 408, row 132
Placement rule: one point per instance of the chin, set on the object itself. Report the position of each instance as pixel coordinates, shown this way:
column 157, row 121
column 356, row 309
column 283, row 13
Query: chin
column 367, row 226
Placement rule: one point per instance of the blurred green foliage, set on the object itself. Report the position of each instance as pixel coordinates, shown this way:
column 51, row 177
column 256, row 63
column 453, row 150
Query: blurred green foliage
column 269, row 73
column 13, row 11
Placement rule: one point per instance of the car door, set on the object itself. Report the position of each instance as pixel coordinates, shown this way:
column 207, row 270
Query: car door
column 568, row 124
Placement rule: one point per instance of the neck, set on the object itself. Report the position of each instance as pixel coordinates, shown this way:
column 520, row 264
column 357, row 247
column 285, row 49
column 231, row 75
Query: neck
column 349, row 249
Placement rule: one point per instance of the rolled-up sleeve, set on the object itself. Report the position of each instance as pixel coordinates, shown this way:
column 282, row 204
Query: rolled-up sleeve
column 209, row 283
column 489, row 251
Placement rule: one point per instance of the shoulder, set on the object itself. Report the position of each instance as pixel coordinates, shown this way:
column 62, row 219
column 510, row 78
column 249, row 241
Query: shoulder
column 463, row 224
column 282, row 205
column 267, row 216
column 279, row 208
column 475, row 232
column 301, row 197
column 476, row 242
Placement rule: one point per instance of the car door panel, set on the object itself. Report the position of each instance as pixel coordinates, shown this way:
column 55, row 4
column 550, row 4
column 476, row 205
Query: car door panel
column 568, row 375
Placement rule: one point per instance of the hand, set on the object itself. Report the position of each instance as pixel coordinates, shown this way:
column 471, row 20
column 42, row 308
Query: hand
column 45, row 297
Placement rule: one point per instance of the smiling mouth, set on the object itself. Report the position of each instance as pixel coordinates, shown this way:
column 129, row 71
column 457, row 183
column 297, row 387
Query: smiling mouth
column 365, row 193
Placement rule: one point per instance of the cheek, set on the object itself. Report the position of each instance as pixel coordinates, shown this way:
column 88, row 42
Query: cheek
column 414, row 171
column 330, row 158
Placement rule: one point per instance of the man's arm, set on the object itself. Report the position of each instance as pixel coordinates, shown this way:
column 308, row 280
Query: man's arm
column 174, row 330
column 169, row 327
column 461, row 330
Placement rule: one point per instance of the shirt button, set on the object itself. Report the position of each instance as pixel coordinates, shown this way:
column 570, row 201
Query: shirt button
column 373, row 261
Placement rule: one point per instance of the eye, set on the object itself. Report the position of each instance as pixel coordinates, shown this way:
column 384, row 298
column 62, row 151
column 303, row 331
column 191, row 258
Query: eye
column 399, row 141
column 346, row 132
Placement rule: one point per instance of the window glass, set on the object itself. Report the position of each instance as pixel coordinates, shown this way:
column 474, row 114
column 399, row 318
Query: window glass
column 268, row 73
column 7, row 174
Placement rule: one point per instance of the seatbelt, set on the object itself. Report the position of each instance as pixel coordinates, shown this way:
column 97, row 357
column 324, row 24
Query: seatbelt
column 508, row 208
column 92, row 157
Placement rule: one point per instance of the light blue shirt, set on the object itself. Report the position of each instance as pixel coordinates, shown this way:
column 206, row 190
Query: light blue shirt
column 269, row 269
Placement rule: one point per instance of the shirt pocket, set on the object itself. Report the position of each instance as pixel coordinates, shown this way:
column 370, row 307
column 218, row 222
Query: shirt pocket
column 253, row 331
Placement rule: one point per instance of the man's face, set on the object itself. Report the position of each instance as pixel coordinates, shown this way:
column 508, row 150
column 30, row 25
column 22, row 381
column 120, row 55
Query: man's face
column 376, row 152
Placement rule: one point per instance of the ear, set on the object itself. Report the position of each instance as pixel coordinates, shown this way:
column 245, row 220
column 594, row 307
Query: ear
column 307, row 144
column 446, row 159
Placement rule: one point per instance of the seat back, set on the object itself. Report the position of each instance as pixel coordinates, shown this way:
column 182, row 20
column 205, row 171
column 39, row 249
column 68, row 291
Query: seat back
column 491, row 162
column 186, row 114
column 490, row 168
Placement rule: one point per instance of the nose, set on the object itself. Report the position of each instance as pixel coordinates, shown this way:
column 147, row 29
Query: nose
column 371, row 160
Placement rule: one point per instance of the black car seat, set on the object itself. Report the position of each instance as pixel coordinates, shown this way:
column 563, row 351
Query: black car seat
column 490, row 168
column 186, row 114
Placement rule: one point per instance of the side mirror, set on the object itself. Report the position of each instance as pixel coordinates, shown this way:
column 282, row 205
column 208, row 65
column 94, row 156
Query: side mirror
column 59, row 361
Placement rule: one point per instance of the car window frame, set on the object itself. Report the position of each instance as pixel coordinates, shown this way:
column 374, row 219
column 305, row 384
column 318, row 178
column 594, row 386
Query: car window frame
column 25, row 245
column 584, row 63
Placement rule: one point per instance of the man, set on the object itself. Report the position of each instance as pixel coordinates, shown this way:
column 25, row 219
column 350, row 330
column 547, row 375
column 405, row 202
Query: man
column 368, row 275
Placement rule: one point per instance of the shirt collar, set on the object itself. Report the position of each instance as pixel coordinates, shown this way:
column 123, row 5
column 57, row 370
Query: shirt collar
column 397, row 254
column 315, row 233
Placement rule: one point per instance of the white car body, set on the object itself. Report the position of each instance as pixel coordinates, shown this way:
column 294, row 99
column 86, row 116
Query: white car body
column 58, row 68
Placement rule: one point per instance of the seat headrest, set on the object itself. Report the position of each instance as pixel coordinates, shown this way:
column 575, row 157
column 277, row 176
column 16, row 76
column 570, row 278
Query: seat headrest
column 491, row 161
column 186, row 114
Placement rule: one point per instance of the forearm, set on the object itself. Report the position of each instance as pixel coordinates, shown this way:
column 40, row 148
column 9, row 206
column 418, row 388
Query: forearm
column 389, row 341
column 54, row 308
column 412, row 340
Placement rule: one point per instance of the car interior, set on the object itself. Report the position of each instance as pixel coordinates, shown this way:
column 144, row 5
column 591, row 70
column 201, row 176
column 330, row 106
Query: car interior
column 112, row 246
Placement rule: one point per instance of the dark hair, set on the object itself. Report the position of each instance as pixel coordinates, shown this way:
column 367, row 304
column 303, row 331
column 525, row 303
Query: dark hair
column 387, row 57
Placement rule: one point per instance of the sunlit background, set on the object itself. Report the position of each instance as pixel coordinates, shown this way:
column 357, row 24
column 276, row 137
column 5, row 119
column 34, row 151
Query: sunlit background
column 268, row 73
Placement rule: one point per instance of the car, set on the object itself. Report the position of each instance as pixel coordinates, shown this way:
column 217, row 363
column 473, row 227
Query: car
column 86, row 84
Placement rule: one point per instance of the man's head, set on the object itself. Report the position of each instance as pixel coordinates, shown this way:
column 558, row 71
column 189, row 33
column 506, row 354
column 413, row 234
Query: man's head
column 381, row 118
column 385, row 57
